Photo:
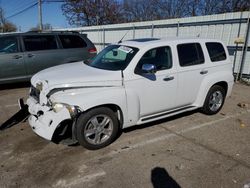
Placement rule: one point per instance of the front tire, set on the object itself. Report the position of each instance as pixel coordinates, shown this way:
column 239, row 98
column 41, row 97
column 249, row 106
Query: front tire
column 214, row 100
column 97, row 128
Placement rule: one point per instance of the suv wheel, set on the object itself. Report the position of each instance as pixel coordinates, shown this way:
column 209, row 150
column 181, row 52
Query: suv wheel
column 97, row 128
column 214, row 100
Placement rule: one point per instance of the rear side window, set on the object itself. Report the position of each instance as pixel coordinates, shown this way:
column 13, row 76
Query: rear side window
column 43, row 42
column 216, row 51
column 8, row 45
column 72, row 41
column 190, row 54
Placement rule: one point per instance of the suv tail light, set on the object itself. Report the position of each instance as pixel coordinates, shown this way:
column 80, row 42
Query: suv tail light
column 92, row 50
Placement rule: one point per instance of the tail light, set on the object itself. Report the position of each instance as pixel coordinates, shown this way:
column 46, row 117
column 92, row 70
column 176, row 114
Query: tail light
column 92, row 50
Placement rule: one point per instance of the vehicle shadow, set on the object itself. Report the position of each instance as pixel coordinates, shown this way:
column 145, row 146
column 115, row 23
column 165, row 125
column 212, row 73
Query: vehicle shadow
column 14, row 85
column 161, row 179
column 164, row 120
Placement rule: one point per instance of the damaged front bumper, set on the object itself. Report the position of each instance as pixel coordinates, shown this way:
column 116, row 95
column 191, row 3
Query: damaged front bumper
column 43, row 120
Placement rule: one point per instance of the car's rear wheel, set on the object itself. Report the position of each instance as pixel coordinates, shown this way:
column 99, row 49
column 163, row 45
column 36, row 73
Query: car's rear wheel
column 214, row 100
column 97, row 128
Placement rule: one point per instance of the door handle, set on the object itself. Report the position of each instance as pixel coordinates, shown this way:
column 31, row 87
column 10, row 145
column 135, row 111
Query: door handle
column 30, row 55
column 168, row 78
column 204, row 72
column 17, row 56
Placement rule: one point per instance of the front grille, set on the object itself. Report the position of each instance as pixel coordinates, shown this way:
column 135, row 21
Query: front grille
column 35, row 93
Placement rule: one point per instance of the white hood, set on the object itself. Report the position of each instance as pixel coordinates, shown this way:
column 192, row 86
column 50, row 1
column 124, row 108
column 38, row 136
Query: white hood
column 77, row 74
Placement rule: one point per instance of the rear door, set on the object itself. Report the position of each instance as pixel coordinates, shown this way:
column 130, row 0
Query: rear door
column 41, row 52
column 11, row 59
column 191, row 72
column 74, row 47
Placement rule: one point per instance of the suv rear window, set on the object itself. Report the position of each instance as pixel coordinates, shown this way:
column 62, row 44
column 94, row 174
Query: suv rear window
column 72, row 41
column 42, row 42
column 216, row 51
column 190, row 54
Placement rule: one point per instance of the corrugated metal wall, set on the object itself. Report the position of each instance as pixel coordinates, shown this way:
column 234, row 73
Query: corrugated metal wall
column 226, row 27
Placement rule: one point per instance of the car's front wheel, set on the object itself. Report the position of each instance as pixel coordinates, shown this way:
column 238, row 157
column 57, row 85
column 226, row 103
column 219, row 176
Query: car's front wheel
column 97, row 128
column 214, row 100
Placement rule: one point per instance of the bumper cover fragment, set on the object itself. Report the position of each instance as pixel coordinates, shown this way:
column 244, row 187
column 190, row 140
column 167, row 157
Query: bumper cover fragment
column 18, row 117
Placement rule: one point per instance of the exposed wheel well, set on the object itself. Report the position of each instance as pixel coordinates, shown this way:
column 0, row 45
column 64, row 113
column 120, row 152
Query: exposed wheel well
column 66, row 129
column 63, row 131
column 223, row 84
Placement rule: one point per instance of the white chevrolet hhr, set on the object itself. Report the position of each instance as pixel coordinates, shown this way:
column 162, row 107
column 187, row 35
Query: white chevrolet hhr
column 127, row 84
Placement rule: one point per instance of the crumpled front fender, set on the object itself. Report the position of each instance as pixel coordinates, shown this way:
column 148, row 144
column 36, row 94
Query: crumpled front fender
column 43, row 120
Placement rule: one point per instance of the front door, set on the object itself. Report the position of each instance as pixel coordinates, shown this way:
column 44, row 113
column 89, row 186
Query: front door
column 156, row 92
column 11, row 59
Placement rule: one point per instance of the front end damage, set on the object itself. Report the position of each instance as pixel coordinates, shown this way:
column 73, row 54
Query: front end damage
column 43, row 120
column 51, row 121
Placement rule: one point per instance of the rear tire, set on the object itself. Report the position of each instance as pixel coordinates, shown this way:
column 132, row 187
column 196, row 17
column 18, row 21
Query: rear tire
column 97, row 128
column 214, row 100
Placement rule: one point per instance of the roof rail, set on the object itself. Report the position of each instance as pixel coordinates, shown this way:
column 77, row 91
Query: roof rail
column 38, row 31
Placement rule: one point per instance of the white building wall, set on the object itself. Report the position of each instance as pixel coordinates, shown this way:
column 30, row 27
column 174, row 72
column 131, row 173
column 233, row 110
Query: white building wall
column 226, row 29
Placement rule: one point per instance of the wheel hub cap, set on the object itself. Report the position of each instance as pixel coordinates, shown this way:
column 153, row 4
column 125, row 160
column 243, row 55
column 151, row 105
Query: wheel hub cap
column 215, row 101
column 98, row 129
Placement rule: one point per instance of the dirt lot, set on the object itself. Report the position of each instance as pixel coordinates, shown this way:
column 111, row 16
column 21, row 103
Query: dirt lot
column 188, row 150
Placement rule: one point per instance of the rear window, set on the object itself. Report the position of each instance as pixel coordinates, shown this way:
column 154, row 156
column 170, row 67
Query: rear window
column 43, row 42
column 190, row 54
column 216, row 51
column 72, row 41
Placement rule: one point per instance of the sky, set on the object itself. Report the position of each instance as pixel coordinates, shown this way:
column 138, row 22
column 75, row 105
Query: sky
column 51, row 13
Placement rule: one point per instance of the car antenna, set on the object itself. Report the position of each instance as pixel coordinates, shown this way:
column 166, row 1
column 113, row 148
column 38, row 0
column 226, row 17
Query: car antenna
column 123, row 37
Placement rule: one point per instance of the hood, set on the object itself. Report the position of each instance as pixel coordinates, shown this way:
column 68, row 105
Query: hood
column 77, row 74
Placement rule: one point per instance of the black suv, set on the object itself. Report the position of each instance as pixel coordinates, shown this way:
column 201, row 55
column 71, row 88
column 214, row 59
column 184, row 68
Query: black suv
column 24, row 54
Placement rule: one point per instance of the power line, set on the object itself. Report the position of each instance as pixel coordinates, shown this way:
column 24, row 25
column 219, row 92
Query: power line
column 22, row 11
column 15, row 6
column 34, row 4
column 54, row 1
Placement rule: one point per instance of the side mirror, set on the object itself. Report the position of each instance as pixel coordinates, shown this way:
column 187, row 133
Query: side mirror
column 149, row 68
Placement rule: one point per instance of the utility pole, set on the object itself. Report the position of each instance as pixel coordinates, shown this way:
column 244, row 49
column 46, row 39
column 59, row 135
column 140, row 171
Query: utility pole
column 40, row 15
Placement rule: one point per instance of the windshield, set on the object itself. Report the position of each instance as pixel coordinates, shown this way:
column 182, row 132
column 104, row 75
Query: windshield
column 113, row 57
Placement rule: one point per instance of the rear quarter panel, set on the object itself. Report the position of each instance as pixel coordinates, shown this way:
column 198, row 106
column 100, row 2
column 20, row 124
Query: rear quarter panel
column 220, row 71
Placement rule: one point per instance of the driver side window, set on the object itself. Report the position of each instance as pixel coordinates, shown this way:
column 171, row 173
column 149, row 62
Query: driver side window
column 160, row 57
column 8, row 45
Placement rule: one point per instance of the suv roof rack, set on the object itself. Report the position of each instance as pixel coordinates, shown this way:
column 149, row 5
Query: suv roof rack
column 38, row 31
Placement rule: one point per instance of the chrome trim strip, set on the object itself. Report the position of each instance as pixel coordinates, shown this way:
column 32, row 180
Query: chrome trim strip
column 166, row 113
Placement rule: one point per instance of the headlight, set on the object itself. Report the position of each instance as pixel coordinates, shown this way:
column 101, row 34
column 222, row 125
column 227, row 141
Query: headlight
column 57, row 107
